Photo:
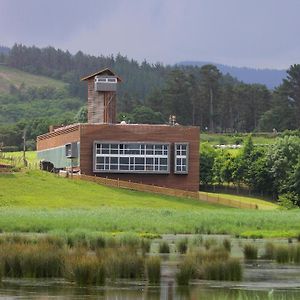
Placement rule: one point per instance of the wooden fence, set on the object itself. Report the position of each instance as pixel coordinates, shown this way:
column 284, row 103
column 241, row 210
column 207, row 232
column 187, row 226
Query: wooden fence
column 167, row 191
column 226, row 201
column 140, row 187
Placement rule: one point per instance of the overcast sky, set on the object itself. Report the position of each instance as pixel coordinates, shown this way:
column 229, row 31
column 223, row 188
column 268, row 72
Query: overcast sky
column 254, row 33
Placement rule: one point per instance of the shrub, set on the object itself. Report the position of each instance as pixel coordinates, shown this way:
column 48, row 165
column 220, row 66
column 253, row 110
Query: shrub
column 250, row 251
column 153, row 269
column 182, row 245
column 164, row 247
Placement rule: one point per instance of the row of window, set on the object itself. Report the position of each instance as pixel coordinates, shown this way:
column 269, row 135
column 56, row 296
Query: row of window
column 132, row 148
column 139, row 157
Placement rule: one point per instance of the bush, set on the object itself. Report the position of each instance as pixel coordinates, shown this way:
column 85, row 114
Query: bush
column 153, row 269
column 288, row 200
column 250, row 251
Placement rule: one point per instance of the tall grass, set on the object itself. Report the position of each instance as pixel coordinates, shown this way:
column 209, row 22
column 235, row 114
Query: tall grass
column 250, row 251
column 228, row 270
column 282, row 253
column 123, row 262
column 32, row 260
column 227, row 244
column 112, row 219
column 51, row 257
column 153, row 269
column 164, row 247
column 182, row 245
column 212, row 264
column 187, row 271
column 86, row 269
column 269, row 251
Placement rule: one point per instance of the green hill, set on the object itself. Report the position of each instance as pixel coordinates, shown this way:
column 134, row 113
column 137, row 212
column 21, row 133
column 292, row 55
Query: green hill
column 10, row 76
column 32, row 102
column 36, row 201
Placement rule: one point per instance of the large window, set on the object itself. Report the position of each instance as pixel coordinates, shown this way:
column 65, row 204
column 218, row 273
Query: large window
column 130, row 157
column 181, row 158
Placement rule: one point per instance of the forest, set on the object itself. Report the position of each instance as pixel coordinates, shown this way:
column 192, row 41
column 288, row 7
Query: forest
column 150, row 93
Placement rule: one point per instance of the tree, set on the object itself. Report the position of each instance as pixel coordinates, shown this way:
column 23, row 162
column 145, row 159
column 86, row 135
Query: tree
column 207, row 159
column 145, row 115
column 82, row 115
column 210, row 76
column 291, row 88
column 282, row 157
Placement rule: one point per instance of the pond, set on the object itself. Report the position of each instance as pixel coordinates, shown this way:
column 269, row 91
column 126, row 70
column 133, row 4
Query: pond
column 263, row 279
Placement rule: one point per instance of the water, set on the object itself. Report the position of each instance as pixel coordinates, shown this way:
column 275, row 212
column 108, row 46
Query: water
column 262, row 280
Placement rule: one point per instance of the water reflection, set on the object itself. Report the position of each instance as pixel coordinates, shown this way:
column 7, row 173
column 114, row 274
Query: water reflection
column 59, row 289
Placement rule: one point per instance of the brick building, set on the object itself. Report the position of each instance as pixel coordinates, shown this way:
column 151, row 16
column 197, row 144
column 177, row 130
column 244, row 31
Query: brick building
column 162, row 155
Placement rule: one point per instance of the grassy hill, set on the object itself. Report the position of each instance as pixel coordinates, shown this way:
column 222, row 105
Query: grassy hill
column 36, row 201
column 10, row 76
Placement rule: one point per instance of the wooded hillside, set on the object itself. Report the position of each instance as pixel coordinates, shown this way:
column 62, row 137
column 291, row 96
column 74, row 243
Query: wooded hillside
column 150, row 93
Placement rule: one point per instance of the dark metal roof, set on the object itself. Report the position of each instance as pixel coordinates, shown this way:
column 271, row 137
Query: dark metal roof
column 105, row 71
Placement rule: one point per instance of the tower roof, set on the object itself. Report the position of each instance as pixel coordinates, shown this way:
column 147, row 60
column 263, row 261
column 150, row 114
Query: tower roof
column 105, row 71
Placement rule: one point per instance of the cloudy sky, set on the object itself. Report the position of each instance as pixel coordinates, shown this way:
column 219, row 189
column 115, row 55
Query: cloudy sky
column 254, row 33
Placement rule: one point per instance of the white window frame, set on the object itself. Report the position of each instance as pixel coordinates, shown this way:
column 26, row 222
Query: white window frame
column 156, row 152
column 179, row 154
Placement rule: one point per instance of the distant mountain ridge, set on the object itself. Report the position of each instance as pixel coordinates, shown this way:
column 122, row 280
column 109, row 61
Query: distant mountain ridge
column 270, row 77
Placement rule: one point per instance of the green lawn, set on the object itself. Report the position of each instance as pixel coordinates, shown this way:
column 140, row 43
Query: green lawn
column 10, row 76
column 37, row 201
column 36, row 189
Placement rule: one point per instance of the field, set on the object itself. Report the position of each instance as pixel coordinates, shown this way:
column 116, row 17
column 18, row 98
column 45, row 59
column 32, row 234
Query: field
column 36, row 201
column 10, row 76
